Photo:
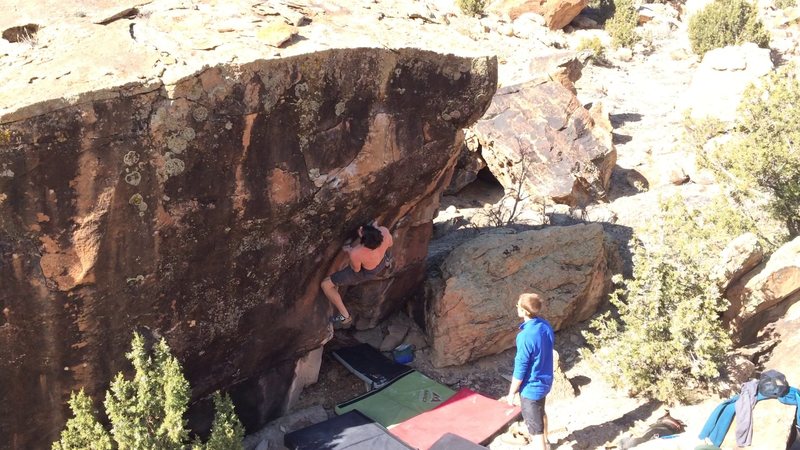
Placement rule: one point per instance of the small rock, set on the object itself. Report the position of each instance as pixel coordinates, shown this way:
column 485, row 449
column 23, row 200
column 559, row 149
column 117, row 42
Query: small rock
column 601, row 213
column 480, row 28
column 416, row 338
column 395, row 337
column 372, row 336
column 584, row 23
column 678, row 176
column 488, row 25
column 295, row 18
column 276, row 33
column 506, row 29
column 643, row 18
column 623, row 54
column 271, row 435
column 679, row 54
column 636, row 180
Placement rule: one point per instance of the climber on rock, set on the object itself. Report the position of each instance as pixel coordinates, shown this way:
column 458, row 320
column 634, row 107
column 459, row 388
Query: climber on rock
column 368, row 258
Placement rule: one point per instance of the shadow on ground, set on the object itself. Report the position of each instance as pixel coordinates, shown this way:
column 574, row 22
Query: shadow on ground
column 594, row 436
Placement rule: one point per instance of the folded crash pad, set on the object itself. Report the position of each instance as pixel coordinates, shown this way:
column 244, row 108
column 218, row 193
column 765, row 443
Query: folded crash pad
column 468, row 414
column 370, row 365
column 451, row 441
column 351, row 431
column 403, row 398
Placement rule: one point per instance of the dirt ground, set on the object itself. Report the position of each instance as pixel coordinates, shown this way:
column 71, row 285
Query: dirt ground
column 596, row 417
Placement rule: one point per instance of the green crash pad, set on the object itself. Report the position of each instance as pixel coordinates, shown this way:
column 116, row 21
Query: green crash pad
column 402, row 399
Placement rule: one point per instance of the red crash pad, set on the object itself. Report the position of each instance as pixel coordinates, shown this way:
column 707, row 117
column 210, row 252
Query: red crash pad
column 467, row 414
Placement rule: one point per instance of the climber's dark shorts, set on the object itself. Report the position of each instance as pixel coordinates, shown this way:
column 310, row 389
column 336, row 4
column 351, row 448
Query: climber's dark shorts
column 533, row 414
column 349, row 277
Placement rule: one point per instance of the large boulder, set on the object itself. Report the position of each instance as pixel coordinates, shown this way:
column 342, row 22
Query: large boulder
column 470, row 309
column 564, row 66
column 469, row 163
column 739, row 257
column 783, row 357
column 538, row 138
column 722, row 77
column 557, row 13
column 773, row 423
column 763, row 294
column 149, row 187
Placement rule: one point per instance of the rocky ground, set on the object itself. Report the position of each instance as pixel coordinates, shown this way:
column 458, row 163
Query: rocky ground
column 643, row 92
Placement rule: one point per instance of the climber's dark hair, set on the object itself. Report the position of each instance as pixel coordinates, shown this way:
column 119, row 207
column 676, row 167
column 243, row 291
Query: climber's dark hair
column 371, row 237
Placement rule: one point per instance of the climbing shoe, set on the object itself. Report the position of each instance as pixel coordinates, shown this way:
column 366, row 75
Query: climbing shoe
column 514, row 439
column 340, row 321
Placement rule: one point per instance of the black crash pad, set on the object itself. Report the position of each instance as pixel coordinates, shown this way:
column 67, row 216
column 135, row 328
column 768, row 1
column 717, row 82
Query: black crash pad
column 452, row 441
column 351, row 431
column 370, row 365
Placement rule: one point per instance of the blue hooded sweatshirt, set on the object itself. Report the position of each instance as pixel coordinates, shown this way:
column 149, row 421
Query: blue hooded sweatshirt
column 534, row 361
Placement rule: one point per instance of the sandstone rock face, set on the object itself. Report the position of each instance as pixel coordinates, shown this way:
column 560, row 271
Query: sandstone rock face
column 772, row 426
column 563, row 66
column 557, row 13
column 739, row 257
column 537, row 137
column 470, row 309
column 562, row 389
column 756, row 295
column 208, row 212
column 721, row 78
column 469, row 163
column 784, row 356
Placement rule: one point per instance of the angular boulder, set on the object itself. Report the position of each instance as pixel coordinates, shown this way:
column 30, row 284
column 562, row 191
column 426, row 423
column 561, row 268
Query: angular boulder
column 772, row 427
column 207, row 212
column 783, row 357
column 557, row 13
column 763, row 294
column 537, row 137
column 564, row 66
column 469, row 163
column 739, row 257
column 470, row 308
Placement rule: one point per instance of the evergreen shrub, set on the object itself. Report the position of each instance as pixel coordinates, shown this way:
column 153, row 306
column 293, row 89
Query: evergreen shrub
column 726, row 22
column 147, row 412
column 472, row 7
column 767, row 157
column 595, row 46
column 666, row 337
column 622, row 25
